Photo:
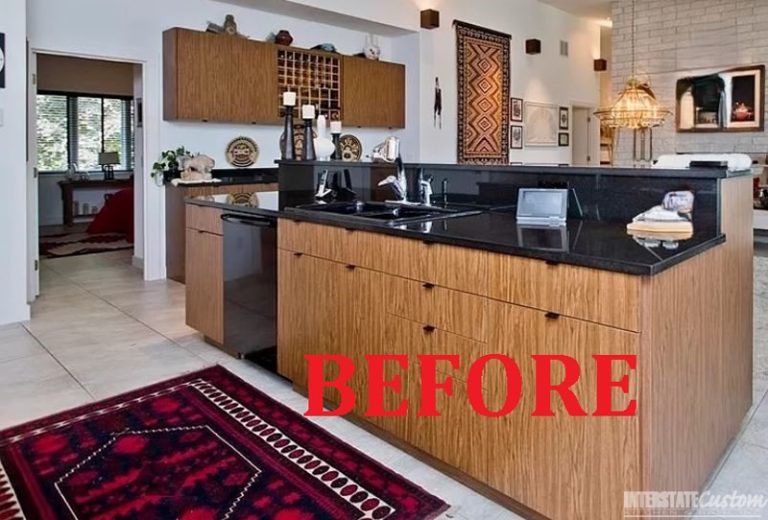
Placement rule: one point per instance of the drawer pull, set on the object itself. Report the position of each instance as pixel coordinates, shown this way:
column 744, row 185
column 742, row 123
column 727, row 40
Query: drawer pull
column 428, row 286
column 297, row 255
column 429, row 329
column 552, row 316
column 351, row 267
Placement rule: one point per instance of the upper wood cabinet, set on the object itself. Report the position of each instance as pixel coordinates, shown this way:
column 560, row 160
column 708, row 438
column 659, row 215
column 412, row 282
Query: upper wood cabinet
column 373, row 93
column 212, row 77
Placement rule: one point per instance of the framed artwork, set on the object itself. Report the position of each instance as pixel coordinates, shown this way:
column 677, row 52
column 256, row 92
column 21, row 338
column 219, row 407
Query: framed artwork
column 516, row 110
column 564, row 118
column 564, row 139
column 728, row 101
column 515, row 137
column 541, row 124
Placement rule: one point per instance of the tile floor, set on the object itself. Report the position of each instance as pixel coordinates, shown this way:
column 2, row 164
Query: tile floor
column 98, row 329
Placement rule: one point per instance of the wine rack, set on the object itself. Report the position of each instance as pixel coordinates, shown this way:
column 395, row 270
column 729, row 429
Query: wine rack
column 315, row 77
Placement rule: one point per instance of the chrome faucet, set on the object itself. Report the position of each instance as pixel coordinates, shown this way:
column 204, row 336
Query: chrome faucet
column 398, row 183
column 425, row 188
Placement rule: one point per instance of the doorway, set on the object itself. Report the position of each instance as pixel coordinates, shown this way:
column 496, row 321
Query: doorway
column 585, row 138
column 85, row 160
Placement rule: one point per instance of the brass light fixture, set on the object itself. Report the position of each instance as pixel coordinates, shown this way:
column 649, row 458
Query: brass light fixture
column 636, row 108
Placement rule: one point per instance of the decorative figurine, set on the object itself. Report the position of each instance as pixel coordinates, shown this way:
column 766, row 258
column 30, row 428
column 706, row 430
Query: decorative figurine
column 197, row 168
column 229, row 27
column 371, row 50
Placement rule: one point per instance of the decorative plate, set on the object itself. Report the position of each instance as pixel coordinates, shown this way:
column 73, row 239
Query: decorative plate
column 239, row 199
column 351, row 148
column 298, row 139
column 242, row 152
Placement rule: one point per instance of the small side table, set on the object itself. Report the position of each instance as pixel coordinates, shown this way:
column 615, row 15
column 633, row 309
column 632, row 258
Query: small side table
column 68, row 189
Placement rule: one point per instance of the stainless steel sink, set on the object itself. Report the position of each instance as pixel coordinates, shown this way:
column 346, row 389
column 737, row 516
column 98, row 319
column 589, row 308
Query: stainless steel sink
column 392, row 214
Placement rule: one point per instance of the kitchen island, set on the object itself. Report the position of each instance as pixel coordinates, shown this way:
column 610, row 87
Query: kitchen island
column 479, row 284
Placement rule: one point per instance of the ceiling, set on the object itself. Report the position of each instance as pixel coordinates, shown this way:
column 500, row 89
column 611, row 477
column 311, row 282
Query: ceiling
column 597, row 9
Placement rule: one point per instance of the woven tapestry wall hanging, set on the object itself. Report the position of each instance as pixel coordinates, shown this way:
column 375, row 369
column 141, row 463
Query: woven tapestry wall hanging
column 483, row 93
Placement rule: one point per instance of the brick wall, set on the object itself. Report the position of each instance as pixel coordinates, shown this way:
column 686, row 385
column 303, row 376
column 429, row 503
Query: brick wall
column 676, row 38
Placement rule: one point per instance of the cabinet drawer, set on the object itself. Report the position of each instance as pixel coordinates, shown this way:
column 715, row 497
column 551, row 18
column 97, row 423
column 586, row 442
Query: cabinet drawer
column 203, row 218
column 453, row 311
column 329, row 242
column 453, row 267
column 594, row 295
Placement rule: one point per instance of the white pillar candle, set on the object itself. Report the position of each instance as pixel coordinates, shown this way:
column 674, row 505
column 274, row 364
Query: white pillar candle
column 321, row 126
column 335, row 127
column 289, row 99
column 308, row 112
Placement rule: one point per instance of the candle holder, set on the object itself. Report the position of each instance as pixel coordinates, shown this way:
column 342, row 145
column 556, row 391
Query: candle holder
column 288, row 153
column 308, row 151
column 336, row 138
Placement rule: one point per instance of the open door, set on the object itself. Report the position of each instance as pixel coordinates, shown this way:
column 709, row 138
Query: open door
column 33, row 239
column 585, row 137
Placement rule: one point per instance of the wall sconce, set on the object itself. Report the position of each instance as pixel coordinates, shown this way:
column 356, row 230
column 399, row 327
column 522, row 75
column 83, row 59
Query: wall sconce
column 600, row 65
column 533, row 46
column 430, row 19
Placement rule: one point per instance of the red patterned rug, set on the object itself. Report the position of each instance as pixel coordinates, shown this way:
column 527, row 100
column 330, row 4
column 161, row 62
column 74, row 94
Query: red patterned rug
column 483, row 93
column 198, row 447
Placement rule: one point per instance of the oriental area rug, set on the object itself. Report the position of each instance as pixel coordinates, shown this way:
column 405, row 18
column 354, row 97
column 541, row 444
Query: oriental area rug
column 483, row 94
column 198, row 447
column 74, row 244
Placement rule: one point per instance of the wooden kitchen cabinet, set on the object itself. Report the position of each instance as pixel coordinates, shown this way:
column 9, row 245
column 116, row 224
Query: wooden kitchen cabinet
column 373, row 93
column 213, row 77
column 205, row 283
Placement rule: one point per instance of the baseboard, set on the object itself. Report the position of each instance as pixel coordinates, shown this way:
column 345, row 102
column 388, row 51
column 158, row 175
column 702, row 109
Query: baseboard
column 137, row 262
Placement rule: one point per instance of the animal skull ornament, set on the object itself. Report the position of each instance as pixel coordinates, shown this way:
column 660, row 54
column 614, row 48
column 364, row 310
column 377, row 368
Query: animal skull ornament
column 197, row 168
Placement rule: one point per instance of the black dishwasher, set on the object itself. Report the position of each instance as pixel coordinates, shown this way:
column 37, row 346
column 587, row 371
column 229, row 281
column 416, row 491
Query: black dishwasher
column 250, row 288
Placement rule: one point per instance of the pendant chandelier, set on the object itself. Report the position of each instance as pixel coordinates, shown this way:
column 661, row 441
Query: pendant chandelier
column 636, row 107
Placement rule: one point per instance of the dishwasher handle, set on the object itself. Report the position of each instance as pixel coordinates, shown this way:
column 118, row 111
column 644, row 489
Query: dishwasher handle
column 250, row 221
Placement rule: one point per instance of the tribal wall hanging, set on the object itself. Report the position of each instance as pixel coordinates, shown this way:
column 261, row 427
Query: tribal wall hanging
column 483, row 94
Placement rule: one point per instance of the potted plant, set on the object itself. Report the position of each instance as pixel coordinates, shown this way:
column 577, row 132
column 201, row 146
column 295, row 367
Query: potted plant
column 168, row 167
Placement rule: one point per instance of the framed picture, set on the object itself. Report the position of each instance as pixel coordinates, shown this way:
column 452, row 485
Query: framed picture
column 564, row 118
column 540, row 124
column 564, row 139
column 516, row 110
column 515, row 137
column 728, row 101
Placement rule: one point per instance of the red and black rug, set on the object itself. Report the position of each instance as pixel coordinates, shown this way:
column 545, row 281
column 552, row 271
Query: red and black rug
column 75, row 244
column 203, row 446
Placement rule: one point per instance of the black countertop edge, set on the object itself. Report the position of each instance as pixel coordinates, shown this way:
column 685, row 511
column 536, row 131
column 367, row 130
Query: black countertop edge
column 690, row 173
column 237, row 182
column 576, row 259
column 620, row 266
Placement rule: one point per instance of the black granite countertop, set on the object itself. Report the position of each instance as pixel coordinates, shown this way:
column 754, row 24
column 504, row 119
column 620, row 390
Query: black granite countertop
column 600, row 171
column 588, row 243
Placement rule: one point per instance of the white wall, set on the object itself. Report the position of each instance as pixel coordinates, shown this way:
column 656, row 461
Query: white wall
column 94, row 32
column 545, row 78
column 13, row 165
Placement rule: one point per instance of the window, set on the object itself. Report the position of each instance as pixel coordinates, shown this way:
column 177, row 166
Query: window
column 76, row 128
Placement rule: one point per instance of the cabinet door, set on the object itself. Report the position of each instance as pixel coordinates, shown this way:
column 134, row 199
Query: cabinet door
column 213, row 77
column 562, row 466
column 373, row 93
column 205, row 284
